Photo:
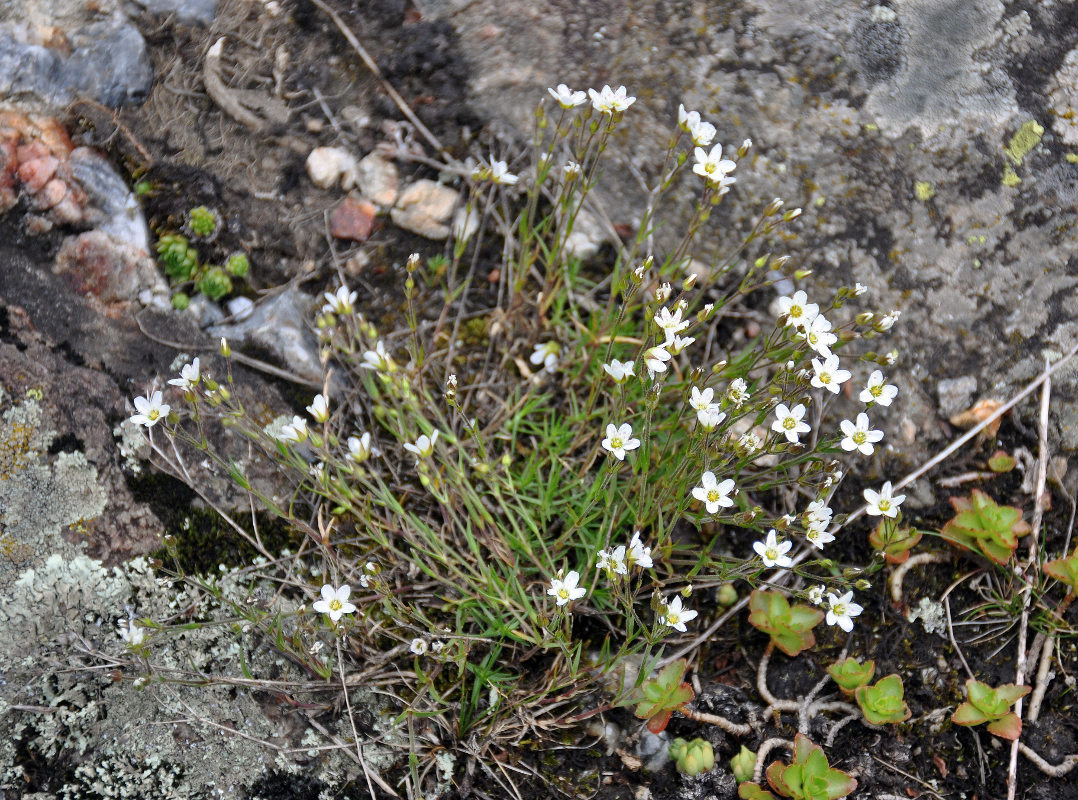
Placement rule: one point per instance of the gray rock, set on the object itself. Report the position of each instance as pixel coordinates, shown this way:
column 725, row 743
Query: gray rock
column 111, row 207
column 189, row 12
column 653, row 749
column 956, row 394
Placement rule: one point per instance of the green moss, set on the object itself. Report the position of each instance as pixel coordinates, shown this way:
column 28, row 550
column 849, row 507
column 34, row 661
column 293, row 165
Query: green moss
column 1024, row 140
column 924, row 190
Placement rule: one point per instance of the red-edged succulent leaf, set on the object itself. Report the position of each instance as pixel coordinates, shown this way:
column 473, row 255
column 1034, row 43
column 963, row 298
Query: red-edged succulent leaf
column 750, row 791
column 851, row 673
column 839, row 784
column 657, row 722
column 982, row 524
column 1009, row 727
column 895, row 543
column 776, row 778
column 1010, row 692
column 805, row 618
column 793, row 643
column 767, row 610
column 1063, row 569
column 803, row 748
column 1000, row 461
column 968, row 714
column 883, row 702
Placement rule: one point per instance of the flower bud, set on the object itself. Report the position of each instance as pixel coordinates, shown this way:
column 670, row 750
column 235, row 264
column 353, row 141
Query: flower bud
column 791, row 215
column 864, row 317
column 662, row 294
column 726, row 595
column 688, row 283
column 412, row 263
column 780, row 262
column 704, row 313
column 743, row 765
column 744, row 149
column 226, row 351
column 773, row 207
column 637, row 276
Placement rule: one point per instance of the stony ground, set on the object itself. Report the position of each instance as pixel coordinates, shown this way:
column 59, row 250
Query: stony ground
column 933, row 145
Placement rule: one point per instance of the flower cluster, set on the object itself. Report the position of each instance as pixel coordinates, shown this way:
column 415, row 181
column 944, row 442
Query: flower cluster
column 619, row 560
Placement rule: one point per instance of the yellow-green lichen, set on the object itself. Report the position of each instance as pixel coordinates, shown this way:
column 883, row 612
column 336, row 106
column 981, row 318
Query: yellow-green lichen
column 1010, row 177
column 924, row 190
column 1072, row 158
column 1024, row 140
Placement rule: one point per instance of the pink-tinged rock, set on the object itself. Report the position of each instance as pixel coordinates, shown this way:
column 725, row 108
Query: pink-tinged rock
column 51, row 193
column 425, row 207
column 97, row 265
column 36, row 172
column 352, row 219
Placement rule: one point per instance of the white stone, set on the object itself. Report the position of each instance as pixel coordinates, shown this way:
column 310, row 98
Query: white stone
column 376, row 178
column 424, row 207
column 328, row 165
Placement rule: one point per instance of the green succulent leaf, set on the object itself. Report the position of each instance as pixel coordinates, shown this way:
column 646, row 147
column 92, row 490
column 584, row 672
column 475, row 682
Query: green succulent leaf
column 883, row 703
column 968, row 714
column 1063, row 569
column 1009, row 727
column 809, row 777
column 850, row 673
column 750, row 791
column 982, row 525
column 660, row 696
column 1001, row 462
column 790, row 628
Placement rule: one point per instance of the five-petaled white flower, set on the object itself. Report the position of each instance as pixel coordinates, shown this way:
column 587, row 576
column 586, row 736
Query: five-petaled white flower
column 711, row 166
column 571, row 170
column 797, row 309
column 670, row 322
column 614, row 562
column 150, row 410
column 841, row 610
column 828, row 375
column 773, row 552
column 714, row 494
column 566, row 97
column 679, row 343
column 815, row 594
column 619, row 371
column 319, row 408
column 859, row 437
column 737, row 392
column 655, row 359
column 189, row 376
column 818, row 514
column 418, row 646
column 618, row 440
column 565, row 590
column 819, row 536
column 877, row 390
column 334, row 602
column 546, row 354
column 360, row 449
column 130, row 632
column 639, row 555
column 610, row 101
column 883, row 503
column 675, row 615
column 700, row 400
column 424, row 445
column 296, row 432
column 789, row 422
column 499, row 173
column 702, row 133
column 711, row 417
column 378, row 359
column 342, row 302
column 817, row 333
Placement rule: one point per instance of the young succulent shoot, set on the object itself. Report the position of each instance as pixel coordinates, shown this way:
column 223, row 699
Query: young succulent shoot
column 202, row 222
column 180, row 301
column 983, row 526
column 1001, row 461
column 215, row 283
column 985, row 704
column 751, row 791
column 692, row 758
column 790, row 627
column 851, row 674
column 883, row 703
column 1064, row 570
column 237, row 265
column 809, row 776
column 661, row 696
column 894, row 541
column 743, row 764
column 179, row 260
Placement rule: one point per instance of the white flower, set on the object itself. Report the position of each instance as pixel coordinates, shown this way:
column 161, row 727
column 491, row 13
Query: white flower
column 436, row 646
column 711, row 166
column 188, row 376
column 859, row 289
column 797, row 309
column 296, row 432
column 131, row 633
column 319, row 408
column 499, row 173
column 341, row 303
column 614, row 562
column 841, row 610
column 702, row 133
column 711, row 417
column 859, row 437
column 815, row 594
column 359, row 447
column 571, row 170
column 714, row 494
column 887, row 322
column 877, row 390
column 565, row 590
column 566, row 97
column 619, row 371
column 670, row 322
column 662, row 294
column 828, row 375
column 773, row 552
column 639, row 555
column 700, row 400
column 334, row 602
column 819, row 536
column 618, row 440
column 675, row 616
column 817, row 333
column 789, row 422
column 818, row 515
column 748, row 443
column 883, row 503
column 424, row 445
column 655, row 359
column 686, row 119
column 737, row 392
column 610, row 101
column 150, row 410
column 679, row 343
column 418, row 646
column 378, row 359
column 546, row 354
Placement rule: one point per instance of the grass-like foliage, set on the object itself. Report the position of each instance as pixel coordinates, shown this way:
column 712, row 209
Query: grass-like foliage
column 509, row 519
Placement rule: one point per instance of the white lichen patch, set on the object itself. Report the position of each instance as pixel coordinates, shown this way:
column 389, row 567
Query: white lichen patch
column 932, row 615
column 1063, row 99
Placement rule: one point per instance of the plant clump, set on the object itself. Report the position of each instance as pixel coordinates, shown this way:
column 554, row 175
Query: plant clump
column 985, row 704
column 883, row 703
column 983, row 526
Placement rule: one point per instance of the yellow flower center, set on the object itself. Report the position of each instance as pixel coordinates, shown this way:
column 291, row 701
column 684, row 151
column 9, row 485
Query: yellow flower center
column 616, row 442
column 839, row 609
column 153, row 414
column 884, row 505
column 772, row 554
column 858, row 437
column 709, row 167
column 876, row 389
column 789, row 423
column 563, row 593
column 796, row 312
column 672, row 619
column 825, row 377
column 713, row 496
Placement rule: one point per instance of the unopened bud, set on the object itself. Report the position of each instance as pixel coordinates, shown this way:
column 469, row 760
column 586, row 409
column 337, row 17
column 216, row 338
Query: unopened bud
column 802, row 273
column 761, row 261
column 744, row 149
column 226, row 351
column 704, row 313
column 637, row 276
column 451, row 388
column 413, row 262
column 780, row 262
column 863, row 585
column 791, row 215
column 687, row 590
column 773, row 207
column 688, row 283
column 727, row 595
